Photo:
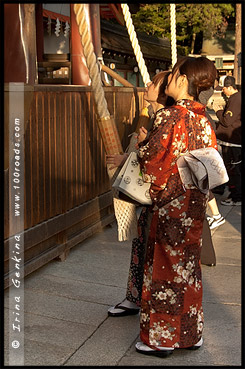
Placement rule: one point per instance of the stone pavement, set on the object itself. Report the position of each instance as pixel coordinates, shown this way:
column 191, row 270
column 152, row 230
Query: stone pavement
column 66, row 321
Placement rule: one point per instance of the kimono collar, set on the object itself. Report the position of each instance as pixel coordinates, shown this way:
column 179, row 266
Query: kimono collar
column 192, row 105
column 154, row 115
column 159, row 111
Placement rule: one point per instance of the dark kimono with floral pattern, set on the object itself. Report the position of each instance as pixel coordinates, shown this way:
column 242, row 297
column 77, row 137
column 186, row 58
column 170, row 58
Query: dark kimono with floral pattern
column 171, row 304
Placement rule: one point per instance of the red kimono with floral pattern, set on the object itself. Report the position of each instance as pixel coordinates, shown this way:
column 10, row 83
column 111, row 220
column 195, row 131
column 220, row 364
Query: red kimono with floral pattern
column 171, row 306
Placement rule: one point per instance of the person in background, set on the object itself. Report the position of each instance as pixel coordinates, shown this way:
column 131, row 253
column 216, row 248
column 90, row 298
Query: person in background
column 216, row 219
column 157, row 99
column 171, row 305
column 228, row 133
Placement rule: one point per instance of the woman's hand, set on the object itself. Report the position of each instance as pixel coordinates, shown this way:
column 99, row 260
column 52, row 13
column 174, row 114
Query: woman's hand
column 116, row 160
column 141, row 136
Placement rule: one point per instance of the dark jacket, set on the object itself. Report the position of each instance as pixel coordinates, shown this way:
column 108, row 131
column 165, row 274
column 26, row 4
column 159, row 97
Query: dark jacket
column 229, row 126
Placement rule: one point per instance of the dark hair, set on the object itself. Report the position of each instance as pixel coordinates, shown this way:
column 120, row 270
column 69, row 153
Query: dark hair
column 230, row 81
column 200, row 72
column 162, row 78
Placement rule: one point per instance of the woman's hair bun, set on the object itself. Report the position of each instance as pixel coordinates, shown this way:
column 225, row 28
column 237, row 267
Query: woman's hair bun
column 200, row 72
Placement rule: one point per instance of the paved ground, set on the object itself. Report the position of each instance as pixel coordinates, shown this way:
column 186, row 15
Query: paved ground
column 66, row 321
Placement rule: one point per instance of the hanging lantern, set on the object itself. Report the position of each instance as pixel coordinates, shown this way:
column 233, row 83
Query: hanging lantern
column 67, row 29
column 49, row 26
column 57, row 27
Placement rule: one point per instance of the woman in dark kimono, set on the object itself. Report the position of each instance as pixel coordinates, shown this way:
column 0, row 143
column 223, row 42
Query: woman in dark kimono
column 171, row 304
column 156, row 97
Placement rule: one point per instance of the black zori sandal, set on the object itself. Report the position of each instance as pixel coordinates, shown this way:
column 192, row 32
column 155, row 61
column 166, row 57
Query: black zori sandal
column 126, row 311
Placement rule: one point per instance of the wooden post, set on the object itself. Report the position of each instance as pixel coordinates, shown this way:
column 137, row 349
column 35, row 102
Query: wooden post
column 79, row 68
column 39, row 32
column 20, row 43
column 238, row 41
column 95, row 29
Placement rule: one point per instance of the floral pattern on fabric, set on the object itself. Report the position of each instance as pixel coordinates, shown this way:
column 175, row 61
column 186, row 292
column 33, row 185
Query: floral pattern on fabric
column 135, row 278
column 171, row 307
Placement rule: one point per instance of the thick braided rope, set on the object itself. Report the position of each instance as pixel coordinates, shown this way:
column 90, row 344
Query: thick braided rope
column 91, row 61
column 125, row 212
column 135, row 44
column 106, row 123
column 173, row 34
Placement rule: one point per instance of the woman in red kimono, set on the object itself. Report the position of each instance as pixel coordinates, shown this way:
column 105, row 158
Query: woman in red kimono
column 171, row 306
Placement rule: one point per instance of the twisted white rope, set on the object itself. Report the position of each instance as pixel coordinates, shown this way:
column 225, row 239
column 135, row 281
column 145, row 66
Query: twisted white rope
column 173, row 34
column 92, row 65
column 125, row 212
column 135, row 44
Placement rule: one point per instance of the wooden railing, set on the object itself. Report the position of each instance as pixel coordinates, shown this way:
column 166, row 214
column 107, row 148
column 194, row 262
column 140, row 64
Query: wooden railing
column 67, row 189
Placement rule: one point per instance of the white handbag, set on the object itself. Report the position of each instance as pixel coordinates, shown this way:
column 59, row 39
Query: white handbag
column 130, row 182
column 202, row 167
